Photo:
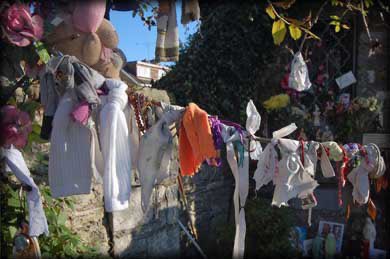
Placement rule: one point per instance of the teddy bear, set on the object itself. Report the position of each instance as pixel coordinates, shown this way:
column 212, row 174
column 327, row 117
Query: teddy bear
column 80, row 30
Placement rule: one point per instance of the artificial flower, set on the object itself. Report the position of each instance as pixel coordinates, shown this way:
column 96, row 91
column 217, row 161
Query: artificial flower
column 277, row 102
column 15, row 126
column 373, row 103
column 19, row 27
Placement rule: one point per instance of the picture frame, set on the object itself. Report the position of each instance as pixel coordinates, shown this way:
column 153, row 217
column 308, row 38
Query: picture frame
column 326, row 227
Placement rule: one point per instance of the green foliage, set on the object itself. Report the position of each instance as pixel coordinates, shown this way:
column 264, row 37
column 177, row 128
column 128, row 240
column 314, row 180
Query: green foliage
column 221, row 67
column 267, row 233
column 61, row 242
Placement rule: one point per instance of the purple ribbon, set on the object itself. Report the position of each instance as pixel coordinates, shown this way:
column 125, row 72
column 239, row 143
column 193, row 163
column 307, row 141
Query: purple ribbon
column 216, row 130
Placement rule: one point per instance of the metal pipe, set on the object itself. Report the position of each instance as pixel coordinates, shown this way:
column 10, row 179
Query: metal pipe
column 191, row 239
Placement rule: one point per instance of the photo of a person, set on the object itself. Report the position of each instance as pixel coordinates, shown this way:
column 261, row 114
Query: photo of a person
column 337, row 229
column 325, row 230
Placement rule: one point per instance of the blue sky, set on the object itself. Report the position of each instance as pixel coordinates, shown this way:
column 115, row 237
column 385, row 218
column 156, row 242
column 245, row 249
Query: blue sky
column 136, row 40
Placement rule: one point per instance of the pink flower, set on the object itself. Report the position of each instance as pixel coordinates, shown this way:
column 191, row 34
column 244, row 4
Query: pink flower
column 19, row 27
column 15, row 126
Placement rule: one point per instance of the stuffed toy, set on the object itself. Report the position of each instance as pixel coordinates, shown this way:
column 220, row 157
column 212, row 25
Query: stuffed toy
column 82, row 31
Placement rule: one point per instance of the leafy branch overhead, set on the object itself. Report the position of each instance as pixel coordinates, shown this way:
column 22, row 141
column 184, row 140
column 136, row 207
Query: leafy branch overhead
column 296, row 27
column 281, row 21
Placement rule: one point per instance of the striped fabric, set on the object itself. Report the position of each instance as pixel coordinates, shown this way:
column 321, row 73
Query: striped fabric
column 167, row 45
column 70, row 158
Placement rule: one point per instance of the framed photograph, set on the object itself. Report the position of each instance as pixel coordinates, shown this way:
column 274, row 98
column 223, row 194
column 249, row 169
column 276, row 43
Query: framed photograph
column 326, row 227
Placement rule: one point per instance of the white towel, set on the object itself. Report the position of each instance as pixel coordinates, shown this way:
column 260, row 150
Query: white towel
column 115, row 146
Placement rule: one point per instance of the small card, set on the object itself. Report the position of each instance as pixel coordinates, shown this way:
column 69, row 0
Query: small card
column 346, row 80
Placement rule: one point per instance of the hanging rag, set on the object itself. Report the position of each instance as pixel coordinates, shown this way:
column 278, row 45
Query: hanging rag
column 295, row 177
column 72, row 153
column 67, row 73
column 167, row 43
column 156, row 153
column 370, row 164
column 37, row 220
column 241, row 176
column 326, row 166
column 190, row 11
column 115, row 146
column 195, row 140
column 134, row 135
column 239, row 164
column 253, row 125
column 73, row 158
column 267, row 165
column 335, row 152
column 299, row 75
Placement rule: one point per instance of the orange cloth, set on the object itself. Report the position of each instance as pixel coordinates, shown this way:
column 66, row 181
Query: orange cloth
column 195, row 140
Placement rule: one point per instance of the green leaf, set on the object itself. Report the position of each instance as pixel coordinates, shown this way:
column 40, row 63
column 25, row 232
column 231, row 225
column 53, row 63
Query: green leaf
column 62, row 217
column 12, row 230
column 295, row 32
column 270, row 12
column 337, row 28
column 13, row 202
column 335, row 17
column 36, row 128
column 278, row 31
column 42, row 52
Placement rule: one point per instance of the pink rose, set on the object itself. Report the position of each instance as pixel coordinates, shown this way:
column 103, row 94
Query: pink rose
column 15, row 126
column 19, row 27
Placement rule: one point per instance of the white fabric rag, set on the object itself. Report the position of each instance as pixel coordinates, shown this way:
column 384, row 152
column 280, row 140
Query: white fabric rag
column 115, row 146
column 299, row 74
column 155, row 154
column 37, row 219
column 267, row 164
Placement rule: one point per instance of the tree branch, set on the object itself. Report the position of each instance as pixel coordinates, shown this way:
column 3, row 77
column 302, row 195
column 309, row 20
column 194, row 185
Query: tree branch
column 314, row 22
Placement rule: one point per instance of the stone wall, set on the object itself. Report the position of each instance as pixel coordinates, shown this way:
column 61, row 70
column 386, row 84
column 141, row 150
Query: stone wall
column 210, row 198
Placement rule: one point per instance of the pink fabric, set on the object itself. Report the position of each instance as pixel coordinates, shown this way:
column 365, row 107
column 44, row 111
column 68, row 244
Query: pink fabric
column 88, row 15
column 81, row 113
column 19, row 27
column 15, row 126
